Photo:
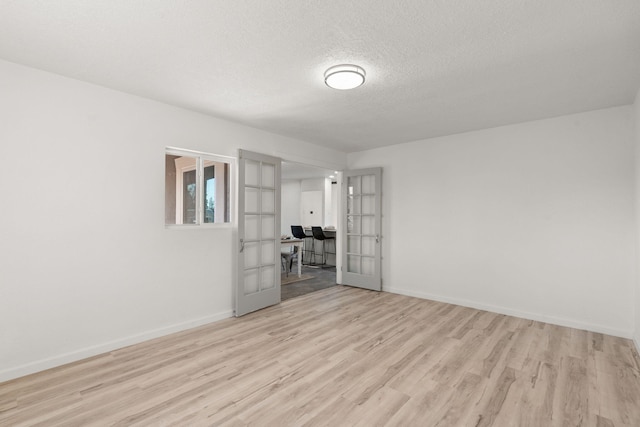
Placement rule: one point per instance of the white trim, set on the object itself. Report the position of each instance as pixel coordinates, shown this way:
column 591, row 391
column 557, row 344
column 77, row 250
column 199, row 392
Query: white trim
column 74, row 356
column 560, row 321
column 215, row 157
column 635, row 341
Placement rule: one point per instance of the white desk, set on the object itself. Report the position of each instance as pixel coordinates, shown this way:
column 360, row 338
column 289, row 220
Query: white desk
column 300, row 244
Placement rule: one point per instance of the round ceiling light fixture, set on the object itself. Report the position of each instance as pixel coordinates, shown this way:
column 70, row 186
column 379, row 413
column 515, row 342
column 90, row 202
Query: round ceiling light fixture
column 344, row 76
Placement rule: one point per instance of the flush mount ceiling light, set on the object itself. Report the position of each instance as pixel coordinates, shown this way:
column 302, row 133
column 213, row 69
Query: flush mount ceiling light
column 344, row 77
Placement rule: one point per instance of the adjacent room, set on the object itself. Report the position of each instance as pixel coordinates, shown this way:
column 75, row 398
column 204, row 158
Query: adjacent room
column 357, row 213
column 309, row 197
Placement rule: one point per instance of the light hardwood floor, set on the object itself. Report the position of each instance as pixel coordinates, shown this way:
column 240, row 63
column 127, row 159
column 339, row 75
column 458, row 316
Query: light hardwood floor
column 343, row 357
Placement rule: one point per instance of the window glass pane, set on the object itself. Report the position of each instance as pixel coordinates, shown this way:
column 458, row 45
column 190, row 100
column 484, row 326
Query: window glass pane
column 180, row 189
column 216, row 204
column 209, row 204
column 170, row 189
column 189, row 197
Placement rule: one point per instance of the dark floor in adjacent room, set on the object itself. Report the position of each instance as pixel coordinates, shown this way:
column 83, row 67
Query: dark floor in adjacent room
column 313, row 279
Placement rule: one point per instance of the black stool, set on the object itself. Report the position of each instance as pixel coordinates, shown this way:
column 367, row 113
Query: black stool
column 298, row 233
column 318, row 234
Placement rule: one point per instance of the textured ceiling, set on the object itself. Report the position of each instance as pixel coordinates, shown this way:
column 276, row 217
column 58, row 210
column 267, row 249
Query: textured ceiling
column 433, row 67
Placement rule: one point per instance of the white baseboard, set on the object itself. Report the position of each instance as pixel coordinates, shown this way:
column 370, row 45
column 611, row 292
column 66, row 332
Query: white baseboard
column 74, row 356
column 516, row 313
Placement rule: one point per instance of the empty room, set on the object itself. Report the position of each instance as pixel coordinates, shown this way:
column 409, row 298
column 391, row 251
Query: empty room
column 468, row 235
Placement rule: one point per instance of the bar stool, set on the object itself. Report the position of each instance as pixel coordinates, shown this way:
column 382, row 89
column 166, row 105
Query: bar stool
column 298, row 233
column 318, row 234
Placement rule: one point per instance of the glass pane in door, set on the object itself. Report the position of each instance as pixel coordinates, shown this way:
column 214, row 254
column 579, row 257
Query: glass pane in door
column 252, row 173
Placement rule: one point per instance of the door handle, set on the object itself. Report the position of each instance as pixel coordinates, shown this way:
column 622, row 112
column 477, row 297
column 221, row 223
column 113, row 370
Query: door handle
column 241, row 245
column 377, row 238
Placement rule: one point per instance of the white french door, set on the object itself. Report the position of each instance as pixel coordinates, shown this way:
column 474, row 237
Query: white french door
column 361, row 228
column 258, row 281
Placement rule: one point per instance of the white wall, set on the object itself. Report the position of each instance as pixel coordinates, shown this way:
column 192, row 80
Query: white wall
column 290, row 205
column 312, row 184
column 312, row 202
column 636, row 110
column 86, row 264
column 534, row 219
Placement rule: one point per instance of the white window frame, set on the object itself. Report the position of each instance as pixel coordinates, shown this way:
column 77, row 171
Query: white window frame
column 203, row 160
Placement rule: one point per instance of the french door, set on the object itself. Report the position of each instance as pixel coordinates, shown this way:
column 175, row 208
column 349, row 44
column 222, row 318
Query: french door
column 258, row 280
column 361, row 228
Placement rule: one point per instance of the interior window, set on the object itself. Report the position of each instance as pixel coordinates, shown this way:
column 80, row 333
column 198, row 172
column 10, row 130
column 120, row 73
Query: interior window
column 196, row 188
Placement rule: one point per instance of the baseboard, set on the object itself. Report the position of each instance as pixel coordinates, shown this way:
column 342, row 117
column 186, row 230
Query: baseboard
column 74, row 356
column 635, row 341
column 516, row 313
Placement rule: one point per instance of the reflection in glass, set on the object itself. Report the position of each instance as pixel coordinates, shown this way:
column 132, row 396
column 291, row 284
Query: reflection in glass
column 189, row 197
column 209, row 194
column 354, row 185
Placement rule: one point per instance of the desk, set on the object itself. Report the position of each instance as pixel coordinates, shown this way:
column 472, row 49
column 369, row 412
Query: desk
column 300, row 244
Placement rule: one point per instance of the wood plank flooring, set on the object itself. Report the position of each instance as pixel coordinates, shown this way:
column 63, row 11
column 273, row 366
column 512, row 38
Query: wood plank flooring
column 345, row 357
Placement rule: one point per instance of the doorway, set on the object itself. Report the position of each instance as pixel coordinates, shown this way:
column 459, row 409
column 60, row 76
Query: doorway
column 309, row 199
